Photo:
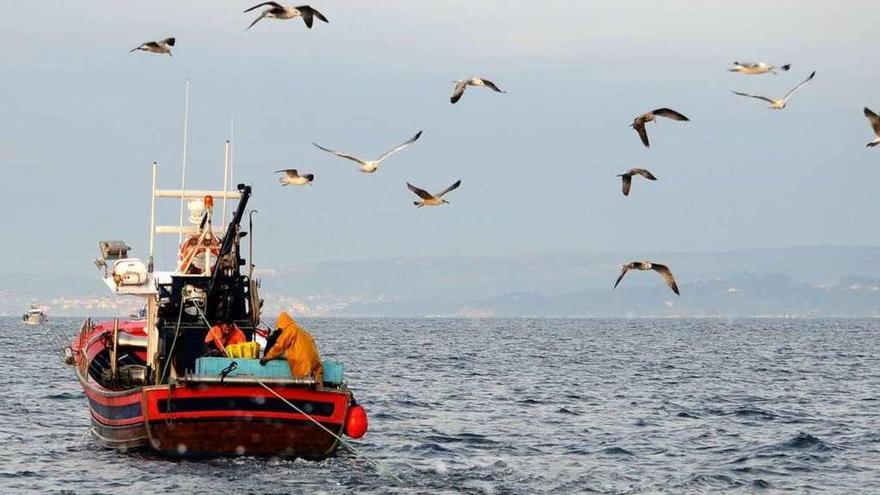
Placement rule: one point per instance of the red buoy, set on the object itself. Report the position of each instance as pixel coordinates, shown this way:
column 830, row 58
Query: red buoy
column 356, row 422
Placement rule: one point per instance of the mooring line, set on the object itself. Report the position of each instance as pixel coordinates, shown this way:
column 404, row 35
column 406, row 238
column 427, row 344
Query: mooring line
column 379, row 467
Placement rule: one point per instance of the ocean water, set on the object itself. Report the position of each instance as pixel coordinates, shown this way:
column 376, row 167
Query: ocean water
column 516, row 406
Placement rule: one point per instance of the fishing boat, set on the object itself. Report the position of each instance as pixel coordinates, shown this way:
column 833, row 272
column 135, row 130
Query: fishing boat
column 147, row 382
column 36, row 315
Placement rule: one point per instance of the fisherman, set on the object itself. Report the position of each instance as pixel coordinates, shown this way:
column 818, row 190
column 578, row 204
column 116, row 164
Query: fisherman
column 224, row 333
column 297, row 346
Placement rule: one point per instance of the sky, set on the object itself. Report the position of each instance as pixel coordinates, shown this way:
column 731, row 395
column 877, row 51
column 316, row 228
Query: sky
column 81, row 120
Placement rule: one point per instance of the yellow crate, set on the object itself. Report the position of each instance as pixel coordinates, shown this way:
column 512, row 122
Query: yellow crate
column 245, row 350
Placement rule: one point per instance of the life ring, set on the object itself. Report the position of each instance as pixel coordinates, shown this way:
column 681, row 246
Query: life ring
column 193, row 251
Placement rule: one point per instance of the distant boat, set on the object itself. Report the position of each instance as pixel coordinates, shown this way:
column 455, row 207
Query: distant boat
column 36, row 315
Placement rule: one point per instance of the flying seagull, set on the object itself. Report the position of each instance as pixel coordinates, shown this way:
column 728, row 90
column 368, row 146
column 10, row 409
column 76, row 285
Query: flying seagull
column 639, row 122
column 292, row 178
column 462, row 84
column 429, row 199
column 370, row 166
column 778, row 104
column 163, row 46
column 277, row 11
column 647, row 265
column 756, row 68
column 875, row 124
column 627, row 178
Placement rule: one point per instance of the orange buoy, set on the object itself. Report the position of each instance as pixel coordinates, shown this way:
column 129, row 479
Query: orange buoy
column 356, row 422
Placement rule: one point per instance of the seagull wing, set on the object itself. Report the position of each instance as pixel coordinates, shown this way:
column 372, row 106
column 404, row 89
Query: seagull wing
column 874, row 119
column 644, row 173
column 419, row 192
column 768, row 100
column 343, row 155
column 290, row 172
column 799, row 86
column 311, row 12
column 458, row 91
column 627, row 183
column 492, row 86
column 258, row 19
column 273, row 4
column 639, row 126
column 136, row 48
column 450, row 188
column 622, row 273
column 667, row 275
column 402, row 146
column 670, row 114
column 307, row 14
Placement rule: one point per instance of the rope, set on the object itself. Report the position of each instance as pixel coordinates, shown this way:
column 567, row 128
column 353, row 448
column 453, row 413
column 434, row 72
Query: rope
column 383, row 470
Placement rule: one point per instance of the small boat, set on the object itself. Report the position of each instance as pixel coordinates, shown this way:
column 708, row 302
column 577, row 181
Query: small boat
column 36, row 315
column 147, row 382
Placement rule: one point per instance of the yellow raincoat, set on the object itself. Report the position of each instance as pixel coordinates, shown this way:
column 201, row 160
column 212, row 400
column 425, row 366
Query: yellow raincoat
column 298, row 347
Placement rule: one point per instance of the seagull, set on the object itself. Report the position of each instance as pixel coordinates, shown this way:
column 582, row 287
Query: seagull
column 429, row 199
column 639, row 122
column 627, row 178
column 163, row 46
column 778, row 104
column 370, row 166
column 278, row 11
column 647, row 265
column 292, row 178
column 875, row 124
column 462, row 84
column 756, row 68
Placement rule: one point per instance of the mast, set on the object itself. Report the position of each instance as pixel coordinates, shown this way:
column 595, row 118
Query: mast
column 183, row 172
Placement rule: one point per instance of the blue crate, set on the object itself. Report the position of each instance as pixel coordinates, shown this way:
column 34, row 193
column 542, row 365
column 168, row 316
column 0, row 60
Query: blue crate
column 246, row 367
column 277, row 368
column 333, row 372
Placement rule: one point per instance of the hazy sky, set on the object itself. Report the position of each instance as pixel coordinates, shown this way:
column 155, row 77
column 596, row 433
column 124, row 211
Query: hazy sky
column 81, row 120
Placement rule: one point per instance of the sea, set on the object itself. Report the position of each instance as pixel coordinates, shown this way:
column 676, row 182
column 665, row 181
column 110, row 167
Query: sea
column 510, row 406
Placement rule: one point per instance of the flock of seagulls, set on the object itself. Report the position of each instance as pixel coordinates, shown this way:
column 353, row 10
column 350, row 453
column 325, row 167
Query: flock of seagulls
column 308, row 14
column 639, row 122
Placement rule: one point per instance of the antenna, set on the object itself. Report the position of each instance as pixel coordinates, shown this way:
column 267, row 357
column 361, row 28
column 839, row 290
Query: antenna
column 183, row 173
column 225, row 176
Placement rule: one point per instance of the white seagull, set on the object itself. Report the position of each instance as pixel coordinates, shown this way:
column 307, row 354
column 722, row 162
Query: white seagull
column 163, row 46
column 875, row 124
column 778, row 104
column 429, row 199
column 462, row 84
column 370, row 166
column 756, row 68
column 278, row 11
column 640, row 121
column 663, row 270
column 628, row 175
column 292, row 178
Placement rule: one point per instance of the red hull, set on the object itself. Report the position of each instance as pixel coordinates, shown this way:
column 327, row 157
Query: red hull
column 210, row 419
